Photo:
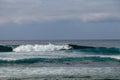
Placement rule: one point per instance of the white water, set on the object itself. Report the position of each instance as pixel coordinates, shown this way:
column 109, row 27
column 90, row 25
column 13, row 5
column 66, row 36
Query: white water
column 35, row 48
column 20, row 72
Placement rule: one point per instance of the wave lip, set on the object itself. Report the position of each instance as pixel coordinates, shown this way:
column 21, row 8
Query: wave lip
column 49, row 47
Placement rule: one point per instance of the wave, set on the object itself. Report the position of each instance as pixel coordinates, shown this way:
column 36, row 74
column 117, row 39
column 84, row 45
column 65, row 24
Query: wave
column 101, row 50
column 33, row 48
column 49, row 47
column 6, row 49
column 52, row 47
column 59, row 60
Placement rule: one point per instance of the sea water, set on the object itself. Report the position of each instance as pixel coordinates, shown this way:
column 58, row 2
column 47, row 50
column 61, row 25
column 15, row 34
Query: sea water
column 56, row 59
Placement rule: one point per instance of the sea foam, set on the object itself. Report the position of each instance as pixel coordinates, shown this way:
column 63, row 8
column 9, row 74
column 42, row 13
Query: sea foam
column 33, row 48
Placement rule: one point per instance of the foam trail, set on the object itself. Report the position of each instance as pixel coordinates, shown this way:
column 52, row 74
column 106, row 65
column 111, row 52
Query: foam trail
column 32, row 48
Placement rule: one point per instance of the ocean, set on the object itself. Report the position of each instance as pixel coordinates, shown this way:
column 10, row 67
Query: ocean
column 59, row 59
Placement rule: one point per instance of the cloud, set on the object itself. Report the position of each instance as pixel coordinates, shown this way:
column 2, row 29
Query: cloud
column 97, row 17
column 26, row 11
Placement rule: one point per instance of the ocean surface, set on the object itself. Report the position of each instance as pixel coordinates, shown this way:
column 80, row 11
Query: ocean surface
column 59, row 60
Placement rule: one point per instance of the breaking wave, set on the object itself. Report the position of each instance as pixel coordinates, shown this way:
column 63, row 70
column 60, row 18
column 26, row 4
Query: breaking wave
column 32, row 48
column 52, row 47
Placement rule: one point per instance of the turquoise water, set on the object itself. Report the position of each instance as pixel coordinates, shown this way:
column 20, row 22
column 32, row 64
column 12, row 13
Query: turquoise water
column 32, row 60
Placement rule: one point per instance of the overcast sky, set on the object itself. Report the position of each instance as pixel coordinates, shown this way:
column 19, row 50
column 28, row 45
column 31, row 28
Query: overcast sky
column 59, row 19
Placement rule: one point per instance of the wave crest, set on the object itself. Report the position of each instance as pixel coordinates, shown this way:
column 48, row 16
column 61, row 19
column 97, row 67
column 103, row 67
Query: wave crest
column 32, row 48
column 53, row 47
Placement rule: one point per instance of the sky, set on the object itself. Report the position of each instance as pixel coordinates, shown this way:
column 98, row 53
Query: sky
column 59, row 19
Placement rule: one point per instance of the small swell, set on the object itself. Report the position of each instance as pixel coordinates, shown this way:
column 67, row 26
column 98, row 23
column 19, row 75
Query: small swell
column 59, row 60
